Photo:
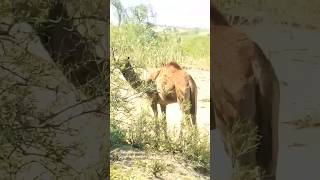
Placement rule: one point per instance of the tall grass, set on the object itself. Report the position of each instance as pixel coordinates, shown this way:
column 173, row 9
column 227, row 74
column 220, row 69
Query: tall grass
column 146, row 133
column 148, row 48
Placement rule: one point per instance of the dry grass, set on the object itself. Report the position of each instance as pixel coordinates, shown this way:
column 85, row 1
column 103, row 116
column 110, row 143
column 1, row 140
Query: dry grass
column 243, row 141
column 145, row 134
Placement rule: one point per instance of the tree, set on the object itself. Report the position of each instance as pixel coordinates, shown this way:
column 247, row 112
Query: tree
column 140, row 13
column 73, row 35
column 121, row 11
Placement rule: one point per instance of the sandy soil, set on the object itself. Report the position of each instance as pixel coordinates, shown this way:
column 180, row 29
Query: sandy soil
column 141, row 163
column 295, row 58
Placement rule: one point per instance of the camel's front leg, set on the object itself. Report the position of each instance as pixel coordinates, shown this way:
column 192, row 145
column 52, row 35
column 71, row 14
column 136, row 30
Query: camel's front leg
column 154, row 109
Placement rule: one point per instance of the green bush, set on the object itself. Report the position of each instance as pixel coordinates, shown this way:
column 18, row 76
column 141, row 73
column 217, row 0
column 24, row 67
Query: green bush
column 117, row 135
column 146, row 133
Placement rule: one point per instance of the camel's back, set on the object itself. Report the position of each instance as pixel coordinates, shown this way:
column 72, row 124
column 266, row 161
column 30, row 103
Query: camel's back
column 173, row 76
column 179, row 76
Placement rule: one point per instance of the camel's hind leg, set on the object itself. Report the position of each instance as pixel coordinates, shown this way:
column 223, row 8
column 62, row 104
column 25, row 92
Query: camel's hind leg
column 189, row 116
column 193, row 121
column 164, row 120
column 182, row 125
column 186, row 119
column 155, row 113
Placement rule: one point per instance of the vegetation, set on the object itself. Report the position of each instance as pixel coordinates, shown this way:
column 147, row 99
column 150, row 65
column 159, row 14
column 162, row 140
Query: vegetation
column 243, row 140
column 140, row 133
column 132, row 124
column 40, row 69
column 147, row 47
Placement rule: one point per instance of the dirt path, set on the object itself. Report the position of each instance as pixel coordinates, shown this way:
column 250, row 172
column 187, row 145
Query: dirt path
column 137, row 164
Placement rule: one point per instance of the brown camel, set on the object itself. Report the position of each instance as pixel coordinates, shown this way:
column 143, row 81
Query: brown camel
column 173, row 85
column 244, row 86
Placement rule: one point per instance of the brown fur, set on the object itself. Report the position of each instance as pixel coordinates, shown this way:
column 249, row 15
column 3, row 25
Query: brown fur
column 217, row 18
column 245, row 86
column 173, row 85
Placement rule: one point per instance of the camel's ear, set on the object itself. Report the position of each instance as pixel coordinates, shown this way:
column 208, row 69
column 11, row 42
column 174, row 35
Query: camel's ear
column 153, row 76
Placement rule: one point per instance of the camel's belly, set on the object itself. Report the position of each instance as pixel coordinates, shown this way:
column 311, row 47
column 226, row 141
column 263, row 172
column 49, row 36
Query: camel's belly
column 168, row 98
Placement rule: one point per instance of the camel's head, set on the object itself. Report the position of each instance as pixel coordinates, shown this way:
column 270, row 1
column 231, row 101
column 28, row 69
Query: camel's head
column 151, row 88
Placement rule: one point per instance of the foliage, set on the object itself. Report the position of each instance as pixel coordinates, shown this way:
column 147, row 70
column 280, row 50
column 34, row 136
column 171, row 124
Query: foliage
column 121, row 12
column 140, row 40
column 140, row 14
column 25, row 129
column 146, row 133
column 33, row 134
column 117, row 136
column 148, row 48
column 243, row 138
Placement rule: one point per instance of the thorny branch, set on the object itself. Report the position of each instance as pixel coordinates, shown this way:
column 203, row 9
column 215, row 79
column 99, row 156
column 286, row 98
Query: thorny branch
column 25, row 137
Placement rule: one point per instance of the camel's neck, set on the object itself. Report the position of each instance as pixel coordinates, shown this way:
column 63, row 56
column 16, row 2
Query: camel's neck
column 134, row 80
column 217, row 17
column 132, row 76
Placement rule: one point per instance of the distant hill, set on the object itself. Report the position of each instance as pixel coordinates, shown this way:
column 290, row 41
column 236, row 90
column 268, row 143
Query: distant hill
column 160, row 28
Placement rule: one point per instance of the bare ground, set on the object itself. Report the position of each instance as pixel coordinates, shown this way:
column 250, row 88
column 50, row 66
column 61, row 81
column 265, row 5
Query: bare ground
column 137, row 164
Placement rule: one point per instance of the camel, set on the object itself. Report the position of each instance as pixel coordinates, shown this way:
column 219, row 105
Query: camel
column 173, row 85
column 244, row 86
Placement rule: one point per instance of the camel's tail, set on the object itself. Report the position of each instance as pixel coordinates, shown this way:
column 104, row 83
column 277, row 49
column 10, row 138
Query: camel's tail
column 193, row 99
column 268, row 99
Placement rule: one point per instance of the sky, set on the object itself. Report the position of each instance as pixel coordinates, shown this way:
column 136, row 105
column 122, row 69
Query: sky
column 180, row 13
